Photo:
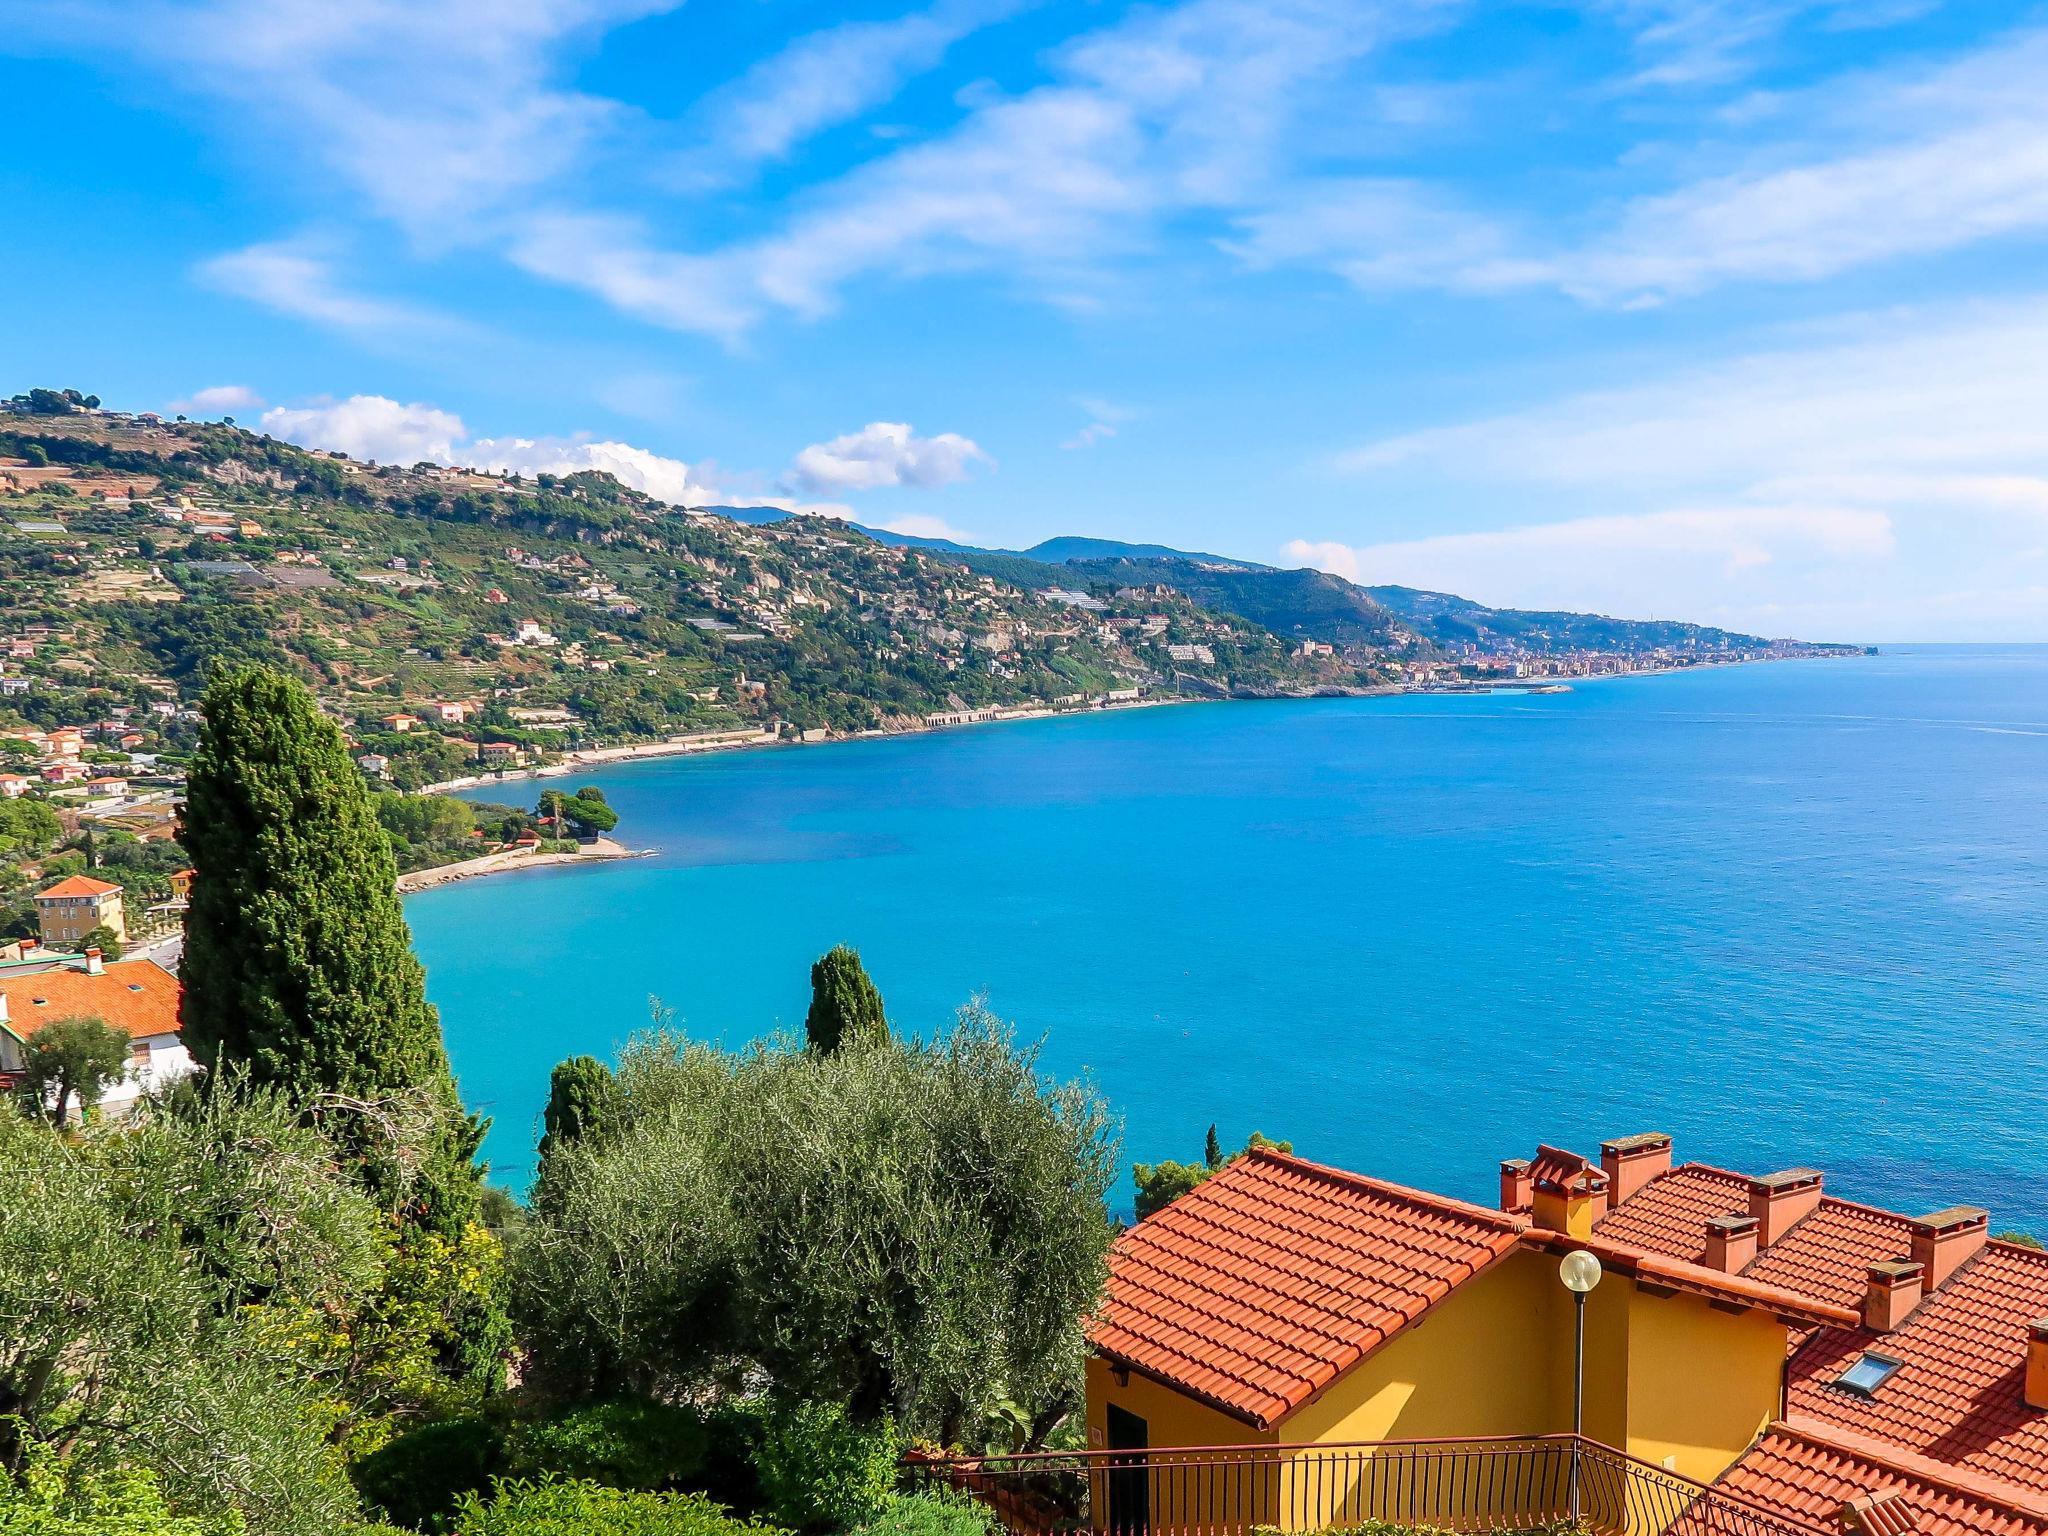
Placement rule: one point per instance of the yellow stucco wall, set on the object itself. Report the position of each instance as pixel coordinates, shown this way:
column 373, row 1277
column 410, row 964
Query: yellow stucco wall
column 1670, row 1379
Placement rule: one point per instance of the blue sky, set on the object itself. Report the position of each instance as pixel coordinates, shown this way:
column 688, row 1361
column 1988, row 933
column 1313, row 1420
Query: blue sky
column 1732, row 310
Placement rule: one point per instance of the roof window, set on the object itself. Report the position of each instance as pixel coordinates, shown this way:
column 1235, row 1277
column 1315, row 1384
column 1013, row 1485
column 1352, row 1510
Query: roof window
column 1868, row 1374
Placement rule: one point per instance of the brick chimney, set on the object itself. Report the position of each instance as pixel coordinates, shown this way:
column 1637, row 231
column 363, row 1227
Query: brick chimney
column 93, row 962
column 1777, row 1200
column 1517, row 1188
column 1946, row 1240
column 1630, row 1162
column 1891, row 1290
column 2037, row 1363
column 1731, row 1243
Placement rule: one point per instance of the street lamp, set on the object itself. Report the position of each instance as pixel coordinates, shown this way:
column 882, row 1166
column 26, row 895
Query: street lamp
column 1580, row 1272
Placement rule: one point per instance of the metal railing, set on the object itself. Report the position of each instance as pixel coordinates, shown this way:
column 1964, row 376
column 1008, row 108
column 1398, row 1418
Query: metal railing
column 1474, row 1487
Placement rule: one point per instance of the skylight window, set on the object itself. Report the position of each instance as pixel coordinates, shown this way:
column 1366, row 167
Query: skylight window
column 1868, row 1374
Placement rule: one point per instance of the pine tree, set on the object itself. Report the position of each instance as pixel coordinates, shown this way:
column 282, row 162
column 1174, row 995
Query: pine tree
column 1212, row 1150
column 845, row 1007
column 298, row 965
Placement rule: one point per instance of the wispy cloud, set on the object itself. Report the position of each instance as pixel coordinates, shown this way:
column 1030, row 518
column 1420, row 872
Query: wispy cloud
column 298, row 278
column 1104, row 418
column 823, row 79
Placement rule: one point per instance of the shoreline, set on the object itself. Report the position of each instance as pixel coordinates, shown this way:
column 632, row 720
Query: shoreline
column 603, row 851
column 747, row 741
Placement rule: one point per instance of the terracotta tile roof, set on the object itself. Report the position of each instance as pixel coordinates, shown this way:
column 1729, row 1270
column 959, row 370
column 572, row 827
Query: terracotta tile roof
column 1823, row 1477
column 1957, row 1396
column 1825, row 1257
column 1272, row 1278
column 1669, row 1215
column 1829, row 1254
column 78, row 885
column 1554, row 1168
column 1656, row 1270
column 137, row 997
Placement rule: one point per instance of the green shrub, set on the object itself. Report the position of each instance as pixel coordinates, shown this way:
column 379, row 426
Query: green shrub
column 820, row 1471
column 632, row 1444
column 418, row 1479
column 554, row 1508
column 939, row 1513
column 732, row 1447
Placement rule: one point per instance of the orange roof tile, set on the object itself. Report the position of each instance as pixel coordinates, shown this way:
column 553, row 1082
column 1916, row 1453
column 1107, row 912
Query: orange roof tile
column 1669, row 1215
column 1825, row 1257
column 1556, row 1169
column 1821, row 1476
column 1957, row 1396
column 78, row 885
column 137, row 997
column 1276, row 1275
column 1829, row 1254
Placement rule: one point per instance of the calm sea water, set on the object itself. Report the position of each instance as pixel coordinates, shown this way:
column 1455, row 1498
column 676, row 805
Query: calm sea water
column 1792, row 914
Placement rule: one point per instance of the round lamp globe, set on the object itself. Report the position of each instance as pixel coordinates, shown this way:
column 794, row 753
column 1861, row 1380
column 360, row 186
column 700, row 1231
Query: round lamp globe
column 1580, row 1272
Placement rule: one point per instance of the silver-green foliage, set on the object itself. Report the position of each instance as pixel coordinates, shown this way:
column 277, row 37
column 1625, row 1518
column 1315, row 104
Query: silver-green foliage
column 915, row 1228
column 134, row 1264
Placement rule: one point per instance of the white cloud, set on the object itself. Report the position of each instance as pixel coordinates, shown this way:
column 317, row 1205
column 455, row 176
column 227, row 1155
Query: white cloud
column 384, row 430
column 1104, row 419
column 885, row 453
column 663, row 478
column 371, row 427
column 216, row 400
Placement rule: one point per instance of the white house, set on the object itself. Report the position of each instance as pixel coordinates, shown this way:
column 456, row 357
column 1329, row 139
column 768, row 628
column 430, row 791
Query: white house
column 137, row 997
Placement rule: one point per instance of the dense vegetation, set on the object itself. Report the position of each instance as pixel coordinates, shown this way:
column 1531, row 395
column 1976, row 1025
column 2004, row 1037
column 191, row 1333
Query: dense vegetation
column 278, row 1300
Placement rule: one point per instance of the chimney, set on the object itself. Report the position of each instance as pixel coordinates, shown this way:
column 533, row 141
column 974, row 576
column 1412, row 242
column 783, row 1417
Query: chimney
column 1946, row 1240
column 1731, row 1243
column 1630, row 1162
column 1892, row 1290
column 2037, row 1364
column 93, row 967
column 1777, row 1200
column 1568, row 1193
column 1516, row 1186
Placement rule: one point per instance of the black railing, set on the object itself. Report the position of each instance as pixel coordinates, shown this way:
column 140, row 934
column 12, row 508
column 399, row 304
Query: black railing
column 1472, row 1487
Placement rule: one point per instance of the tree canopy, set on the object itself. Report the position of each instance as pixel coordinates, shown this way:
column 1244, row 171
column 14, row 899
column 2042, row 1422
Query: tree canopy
column 846, row 1008
column 915, row 1229
column 298, row 963
column 76, row 1058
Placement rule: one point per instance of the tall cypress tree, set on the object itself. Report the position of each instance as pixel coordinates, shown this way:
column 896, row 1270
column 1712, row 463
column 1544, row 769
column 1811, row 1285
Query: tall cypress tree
column 298, row 964
column 845, row 1006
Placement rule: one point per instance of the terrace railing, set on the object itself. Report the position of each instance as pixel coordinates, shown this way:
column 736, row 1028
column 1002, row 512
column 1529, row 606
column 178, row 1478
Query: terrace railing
column 1470, row 1487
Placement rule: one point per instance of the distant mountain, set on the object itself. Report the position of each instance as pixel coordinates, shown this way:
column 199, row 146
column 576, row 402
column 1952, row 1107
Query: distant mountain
column 1455, row 623
column 1301, row 604
column 1310, row 604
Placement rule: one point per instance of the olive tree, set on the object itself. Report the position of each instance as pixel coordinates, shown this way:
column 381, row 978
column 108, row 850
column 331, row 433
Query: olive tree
column 915, row 1229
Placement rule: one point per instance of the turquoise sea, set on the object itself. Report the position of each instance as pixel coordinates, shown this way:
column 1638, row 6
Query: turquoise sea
column 1793, row 914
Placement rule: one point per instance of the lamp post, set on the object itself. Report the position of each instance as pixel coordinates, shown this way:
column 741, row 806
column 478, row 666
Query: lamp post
column 1580, row 1272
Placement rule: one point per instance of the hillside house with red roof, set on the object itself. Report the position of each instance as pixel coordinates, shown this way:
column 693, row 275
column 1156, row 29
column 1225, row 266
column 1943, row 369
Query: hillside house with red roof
column 70, row 910
column 1831, row 1364
column 137, row 997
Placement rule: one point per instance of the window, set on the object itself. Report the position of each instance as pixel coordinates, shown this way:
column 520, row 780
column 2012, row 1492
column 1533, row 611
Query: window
column 1868, row 1374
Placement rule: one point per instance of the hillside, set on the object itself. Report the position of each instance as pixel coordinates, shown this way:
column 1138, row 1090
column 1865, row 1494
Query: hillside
column 1457, row 624
column 565, row 611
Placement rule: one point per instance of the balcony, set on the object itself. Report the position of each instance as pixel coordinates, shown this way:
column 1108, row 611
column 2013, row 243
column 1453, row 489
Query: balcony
column 1471, row 1487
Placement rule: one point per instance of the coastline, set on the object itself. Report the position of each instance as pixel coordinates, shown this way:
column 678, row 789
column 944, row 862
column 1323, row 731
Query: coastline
column 601, row 851
column 745, row 741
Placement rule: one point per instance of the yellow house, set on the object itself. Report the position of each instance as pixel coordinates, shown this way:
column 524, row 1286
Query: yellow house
column 73, row 908
column 1287, row 1305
